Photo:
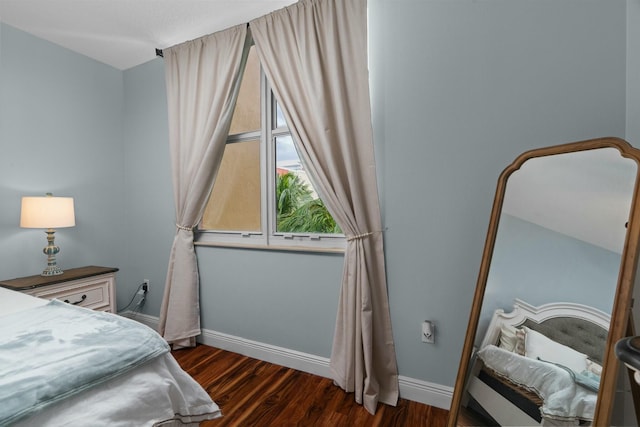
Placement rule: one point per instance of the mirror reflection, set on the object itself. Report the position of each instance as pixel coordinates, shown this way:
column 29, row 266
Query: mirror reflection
column 561, row 231
column 542, row 328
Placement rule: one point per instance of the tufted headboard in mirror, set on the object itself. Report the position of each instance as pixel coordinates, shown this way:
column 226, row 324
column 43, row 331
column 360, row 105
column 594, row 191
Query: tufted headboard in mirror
column 578, row 326
column 579, row 334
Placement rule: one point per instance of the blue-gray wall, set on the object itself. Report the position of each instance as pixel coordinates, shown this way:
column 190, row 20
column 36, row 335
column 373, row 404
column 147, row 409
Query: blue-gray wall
column 459, row 89
column 60, row 132
column 148, row 193
column 633, row 72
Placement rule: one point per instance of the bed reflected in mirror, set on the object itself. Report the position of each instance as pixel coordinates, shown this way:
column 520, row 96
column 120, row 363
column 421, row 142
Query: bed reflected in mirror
column 556, row 263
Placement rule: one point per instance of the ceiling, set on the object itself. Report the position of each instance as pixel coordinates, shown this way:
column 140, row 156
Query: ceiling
column 125, row 33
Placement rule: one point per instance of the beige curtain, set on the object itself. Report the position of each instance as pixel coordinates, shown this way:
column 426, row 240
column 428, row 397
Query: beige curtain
column 202, row 78
column 315, row 56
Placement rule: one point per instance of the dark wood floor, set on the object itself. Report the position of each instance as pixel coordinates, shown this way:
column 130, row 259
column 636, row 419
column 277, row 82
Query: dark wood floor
column 253, row 393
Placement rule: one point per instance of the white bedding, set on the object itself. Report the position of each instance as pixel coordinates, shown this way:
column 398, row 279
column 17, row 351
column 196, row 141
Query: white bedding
column 11, row 301
column 563, row 398
column 156, row 393
column 151, row 395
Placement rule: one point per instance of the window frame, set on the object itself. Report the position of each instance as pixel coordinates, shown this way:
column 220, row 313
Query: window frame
column 268, row 237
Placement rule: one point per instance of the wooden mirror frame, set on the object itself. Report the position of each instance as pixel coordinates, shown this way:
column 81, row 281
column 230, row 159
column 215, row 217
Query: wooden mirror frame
column 621, row 310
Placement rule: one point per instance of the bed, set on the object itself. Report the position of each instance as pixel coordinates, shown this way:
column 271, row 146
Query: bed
column 539, row 365
column 67, row 365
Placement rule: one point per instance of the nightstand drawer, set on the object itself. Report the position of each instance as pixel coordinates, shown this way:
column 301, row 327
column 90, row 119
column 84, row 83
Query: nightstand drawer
column 91, row 295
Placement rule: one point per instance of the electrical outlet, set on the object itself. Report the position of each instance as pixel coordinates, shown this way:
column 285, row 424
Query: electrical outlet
column 146, row 285
column 428, row 331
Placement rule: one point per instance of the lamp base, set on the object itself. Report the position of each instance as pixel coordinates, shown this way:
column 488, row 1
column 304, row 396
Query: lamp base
column 50, row 251
column 52, row 271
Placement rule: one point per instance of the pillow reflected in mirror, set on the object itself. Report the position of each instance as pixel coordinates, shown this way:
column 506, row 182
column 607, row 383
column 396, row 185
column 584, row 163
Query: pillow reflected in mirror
column 512, row 339
column 594, row 367
column 538, row 346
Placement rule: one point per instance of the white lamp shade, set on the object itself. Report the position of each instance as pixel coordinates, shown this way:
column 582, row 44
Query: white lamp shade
column 47, row 212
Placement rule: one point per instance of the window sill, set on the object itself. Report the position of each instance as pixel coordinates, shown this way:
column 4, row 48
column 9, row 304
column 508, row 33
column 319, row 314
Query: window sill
column 281, row 248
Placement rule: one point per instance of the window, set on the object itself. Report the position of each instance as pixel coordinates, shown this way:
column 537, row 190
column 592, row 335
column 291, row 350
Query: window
column 262, row 195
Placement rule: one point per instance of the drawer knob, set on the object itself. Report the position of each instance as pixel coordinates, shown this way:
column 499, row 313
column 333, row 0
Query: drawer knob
column 82, row 298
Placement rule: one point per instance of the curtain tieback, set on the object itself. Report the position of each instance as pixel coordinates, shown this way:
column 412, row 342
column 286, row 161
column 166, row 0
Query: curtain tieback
column 361, row 235
column 182, row 227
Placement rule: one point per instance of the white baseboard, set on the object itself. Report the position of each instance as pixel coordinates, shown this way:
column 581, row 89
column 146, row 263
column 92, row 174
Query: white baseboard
column 269, row 353
column 410, row 388
column 426, row 392
column 145, row 319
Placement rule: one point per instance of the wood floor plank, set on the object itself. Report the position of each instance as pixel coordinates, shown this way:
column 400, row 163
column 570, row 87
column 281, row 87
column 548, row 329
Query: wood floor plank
column 254, row 393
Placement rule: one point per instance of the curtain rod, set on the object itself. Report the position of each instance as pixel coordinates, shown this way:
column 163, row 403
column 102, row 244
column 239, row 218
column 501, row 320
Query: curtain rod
column 160, row 54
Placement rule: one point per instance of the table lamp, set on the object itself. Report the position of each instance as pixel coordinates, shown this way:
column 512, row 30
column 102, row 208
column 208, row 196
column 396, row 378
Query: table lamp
column 49, row 213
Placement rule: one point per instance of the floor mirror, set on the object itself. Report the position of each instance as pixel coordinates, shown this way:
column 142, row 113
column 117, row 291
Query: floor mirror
column 554, row 290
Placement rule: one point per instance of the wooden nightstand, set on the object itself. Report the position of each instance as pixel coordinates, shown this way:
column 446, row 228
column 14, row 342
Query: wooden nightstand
column 92, row 287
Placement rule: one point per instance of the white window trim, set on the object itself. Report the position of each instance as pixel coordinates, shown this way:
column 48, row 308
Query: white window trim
column 269, row 238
